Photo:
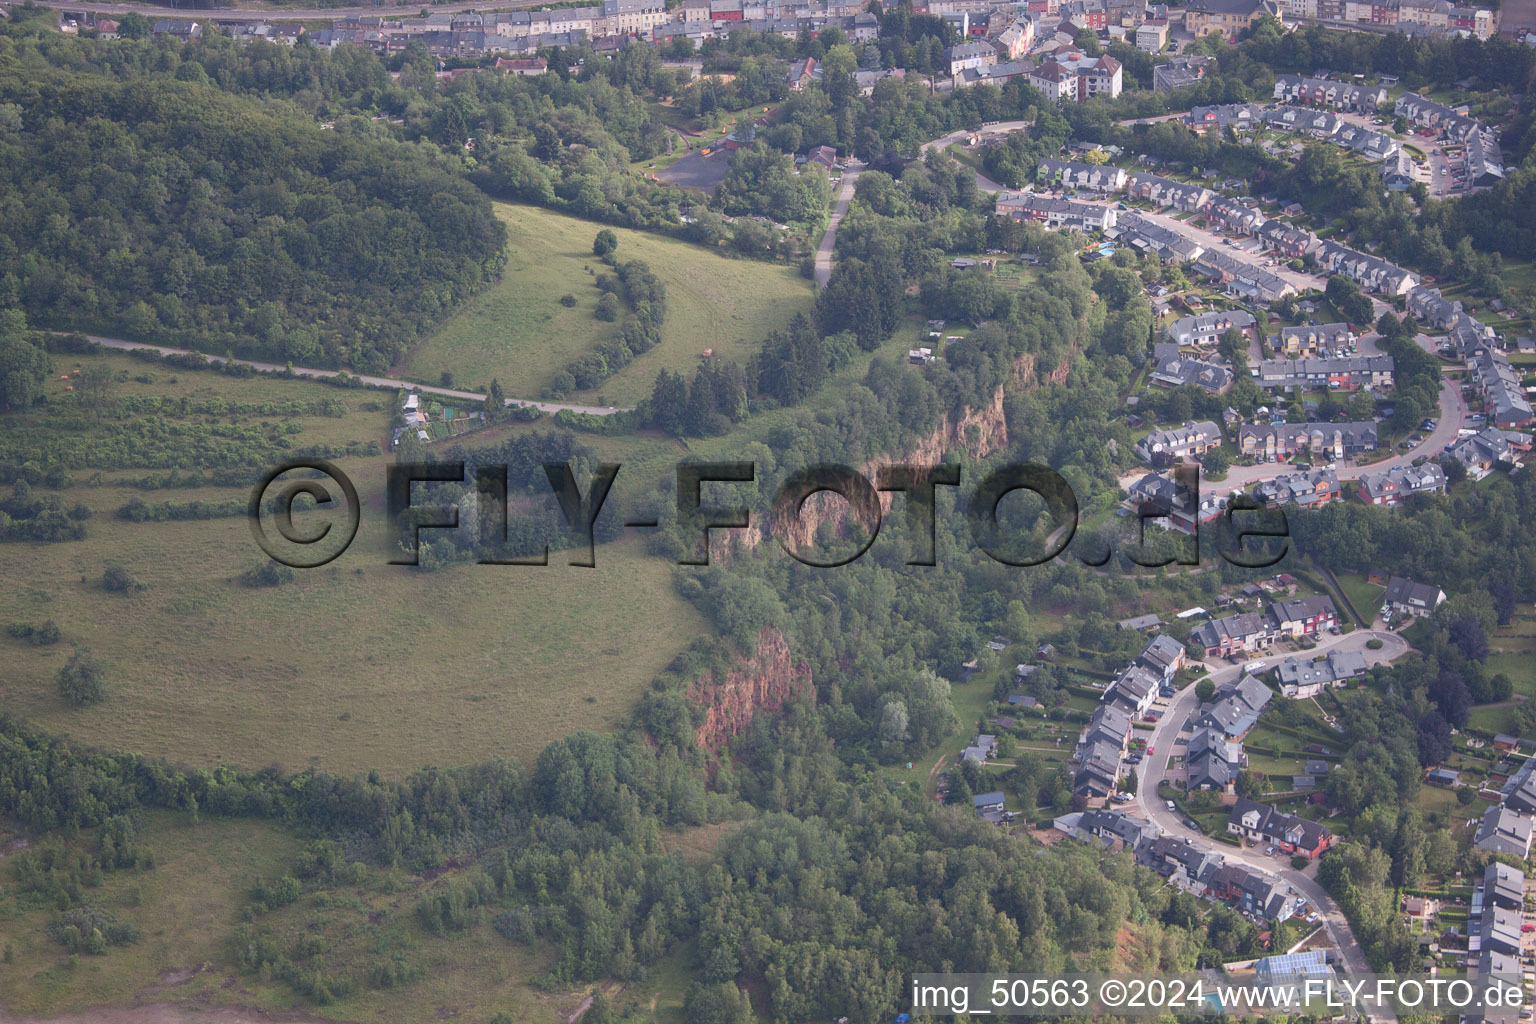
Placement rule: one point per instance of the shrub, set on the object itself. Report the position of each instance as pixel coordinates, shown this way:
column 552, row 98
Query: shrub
column 83, row 680
column 1299, row 862
column 272, row 574
column 567, row 300
column 1374, row 644
column 119, row 581
column 37, row 636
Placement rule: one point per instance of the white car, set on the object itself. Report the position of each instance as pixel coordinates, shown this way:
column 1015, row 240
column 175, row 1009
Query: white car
column 1171, row 807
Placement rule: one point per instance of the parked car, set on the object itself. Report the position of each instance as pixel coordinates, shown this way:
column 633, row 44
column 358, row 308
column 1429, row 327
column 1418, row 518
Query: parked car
column 1191, row 823
column 1170, row 805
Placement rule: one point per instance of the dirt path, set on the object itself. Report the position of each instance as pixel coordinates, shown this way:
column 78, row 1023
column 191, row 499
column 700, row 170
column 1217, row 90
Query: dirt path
column 163, row 1013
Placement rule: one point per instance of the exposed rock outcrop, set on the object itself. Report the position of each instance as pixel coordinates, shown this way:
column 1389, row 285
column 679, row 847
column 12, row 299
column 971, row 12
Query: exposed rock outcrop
column 764, row 682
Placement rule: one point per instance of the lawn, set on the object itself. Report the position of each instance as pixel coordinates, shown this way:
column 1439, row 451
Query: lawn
column 1366, row 597
column 354, row 666
column 519, row 333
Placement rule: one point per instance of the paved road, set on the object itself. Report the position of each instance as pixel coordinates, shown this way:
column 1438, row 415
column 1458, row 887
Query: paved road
column 378, row 382
column 829, row 240
column 260, row 13
column 1165, row 737
column 983, row 182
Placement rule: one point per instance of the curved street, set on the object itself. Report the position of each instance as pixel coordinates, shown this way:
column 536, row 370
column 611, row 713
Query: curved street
column 377, row 382
column 1171, row 732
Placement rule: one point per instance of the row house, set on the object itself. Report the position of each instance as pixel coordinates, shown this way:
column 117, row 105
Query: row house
column 1297, row 617
column 1163, row 656
column 1241, row 278
column 1232, row 634
column 1133, row 690
column 1286, row 239
column 1320, row 124
column 1427, row 113
column 1184, row 865
column 1370, row 272
column 1167, row 193
column 1204, row 330
column 1116, row 830
column 1432, row 14
column 1396, row 485
column 1324, row 92
column 1470, row 336
column 1311, row 339
column 1504, row 399
column 1240, row 117
column 1261, row 823
column 1504, row 831
column 1055, row 213
column 1302, row 678
column 1080, row 175
column 1017, row 38
column 1144, row 235
column 1265, row 442
column 1304, row 490
column 1484, row 158
column 1432, row 308
column 1177, row 444
column 1348, row 373
column 1230, row 215
column 1252, row 892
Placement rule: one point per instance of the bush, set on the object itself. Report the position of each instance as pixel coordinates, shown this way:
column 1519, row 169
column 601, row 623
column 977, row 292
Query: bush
column 608, row 307
column 567, row 301
column 83, row 680
column 272, row 574
column 1299, row 862
column 37, row 636
column 119, row 581
column 605, row 242
column 1374, row 644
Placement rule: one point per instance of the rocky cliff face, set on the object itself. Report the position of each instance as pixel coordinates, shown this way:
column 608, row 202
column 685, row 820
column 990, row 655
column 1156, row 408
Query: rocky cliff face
column 764, row 682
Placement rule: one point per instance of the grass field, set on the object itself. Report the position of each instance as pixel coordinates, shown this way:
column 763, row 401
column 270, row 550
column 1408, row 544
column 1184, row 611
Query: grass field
column 357, row 665
column 519, row 333
column 184, row 909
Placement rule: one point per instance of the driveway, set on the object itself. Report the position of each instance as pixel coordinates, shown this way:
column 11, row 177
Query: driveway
column 377, row 382
column 1165, row 735
column 839, row 208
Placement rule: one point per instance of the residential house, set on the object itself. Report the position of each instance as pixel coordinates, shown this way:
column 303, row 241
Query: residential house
column 1328, row 442
column 1504, row 398
column 1167, row 193
column 1503, row 887
column 1287, row 969
column 1297, row 617
column 1079, row 175
column 1404, row 597
column 1070, row 75
column 1229, row 17
column 1484, row 158
column 1221, row 638
column 1397, row 172
column 1055, row 213
column 803, row 72
column 1239, row 117
column 1487, row 450
column 1179, row 72
column 1369, row 272
column 1241, row 278
column 1263, row 823
column 1429, row 306
column 1152, row 35
column 1519, row 792
column 1323, row 92
column 1288, row 241
column 1176, row 444
column 1313, row 489
column 1225, row 214
column 969, row 55
column 1163, row 656
column 1212, row 761
column 1136, row 231
column 1504, row 831
column 1395, row 485
column 1301, row 678
column 1310, row 340
column 1204, row 330
column 1346, row 373
column 1163, row 499
column 1171, row 370
column 1237, row 707
column 1371, row 145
